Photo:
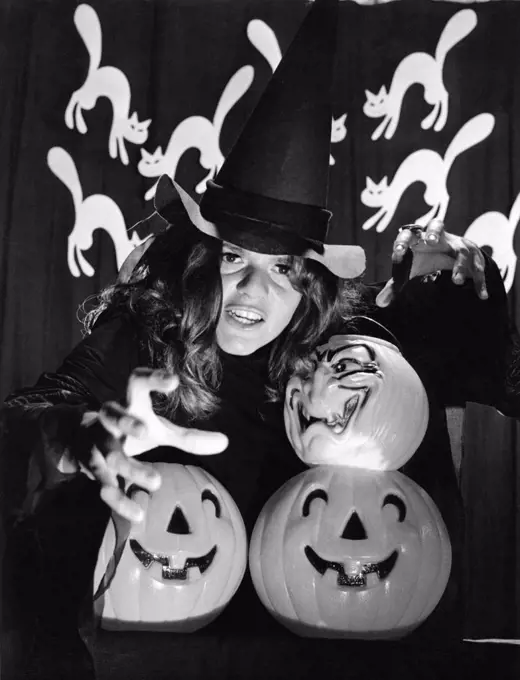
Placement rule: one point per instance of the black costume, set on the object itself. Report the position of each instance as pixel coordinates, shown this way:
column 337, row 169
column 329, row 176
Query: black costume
column 456, row 342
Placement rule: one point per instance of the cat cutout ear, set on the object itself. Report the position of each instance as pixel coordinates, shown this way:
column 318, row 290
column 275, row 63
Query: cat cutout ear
column 341, row 120
column 383, row 184
column 370, row 184
column 144, row 124
column 369, row 95
column 151, row 157
column 133, row 118
column 382, row 92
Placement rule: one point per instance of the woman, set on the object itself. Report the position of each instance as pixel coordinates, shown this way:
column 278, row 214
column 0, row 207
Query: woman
column 222, row 327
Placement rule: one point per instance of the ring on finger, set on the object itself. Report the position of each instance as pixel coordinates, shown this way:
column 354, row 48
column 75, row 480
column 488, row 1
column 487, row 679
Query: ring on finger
column 414, row 228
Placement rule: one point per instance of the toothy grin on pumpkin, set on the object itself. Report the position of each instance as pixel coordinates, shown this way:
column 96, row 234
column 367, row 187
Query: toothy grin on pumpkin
column 345, row 410
column 355, row 570
column 178, row 568
column 191, row 570
column 346, row 552
column 353, row 574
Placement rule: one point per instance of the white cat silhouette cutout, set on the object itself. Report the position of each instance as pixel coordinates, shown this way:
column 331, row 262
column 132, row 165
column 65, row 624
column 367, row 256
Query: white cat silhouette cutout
column 94, row 212
column 428, row 167
column 105, row 81
column 420, row 68
column 495, row 233
column 197, row 132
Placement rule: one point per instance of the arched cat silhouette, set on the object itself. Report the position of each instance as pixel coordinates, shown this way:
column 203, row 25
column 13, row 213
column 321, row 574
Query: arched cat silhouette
column 495, row 233
column 197, row 132
column 422, row 69
column 104, row 81
column 94, row 212
column 428, row 167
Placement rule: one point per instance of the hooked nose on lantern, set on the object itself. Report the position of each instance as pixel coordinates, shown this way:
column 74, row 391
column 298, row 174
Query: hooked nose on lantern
column 317, row 389
column 354, row 529
column 178, row 523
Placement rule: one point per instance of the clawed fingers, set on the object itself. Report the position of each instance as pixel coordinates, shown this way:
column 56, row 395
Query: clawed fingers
column 432, row 249
column 133, row 471
column 461, row 268
column 470, row 263
column 433, row 232
column 115, row 466
column 407, row 236
column 479, row 275
column 200, row 442
column 118, row 502
column 119, row 422
column 143, row 381
column 386, row 295
column 99, row 469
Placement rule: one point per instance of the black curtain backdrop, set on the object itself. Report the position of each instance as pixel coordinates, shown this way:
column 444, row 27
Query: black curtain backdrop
column 67, row 205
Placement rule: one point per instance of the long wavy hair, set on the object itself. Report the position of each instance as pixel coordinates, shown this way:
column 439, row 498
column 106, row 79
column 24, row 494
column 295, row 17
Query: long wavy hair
column 174, row 297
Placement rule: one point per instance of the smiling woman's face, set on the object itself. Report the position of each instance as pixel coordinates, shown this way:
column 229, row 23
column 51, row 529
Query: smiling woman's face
column 258, row 299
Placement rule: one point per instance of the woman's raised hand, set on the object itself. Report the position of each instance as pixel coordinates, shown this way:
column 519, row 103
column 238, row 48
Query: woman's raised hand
column 419, row 251
column 117, row 433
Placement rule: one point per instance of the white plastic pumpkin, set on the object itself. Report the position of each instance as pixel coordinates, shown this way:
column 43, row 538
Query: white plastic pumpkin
column 362, row 405
column 180, row 566
column 344, row 552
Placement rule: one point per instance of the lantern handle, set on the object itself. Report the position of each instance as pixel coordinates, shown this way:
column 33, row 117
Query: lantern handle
column 395, row 341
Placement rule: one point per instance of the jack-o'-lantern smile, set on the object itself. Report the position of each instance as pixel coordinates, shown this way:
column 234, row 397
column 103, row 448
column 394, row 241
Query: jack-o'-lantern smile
column 192, row 570
column 337, row 422
column 365, row 576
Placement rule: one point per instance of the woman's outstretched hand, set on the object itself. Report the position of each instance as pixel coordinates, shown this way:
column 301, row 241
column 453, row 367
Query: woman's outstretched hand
column 420, row 251
column 117, row 433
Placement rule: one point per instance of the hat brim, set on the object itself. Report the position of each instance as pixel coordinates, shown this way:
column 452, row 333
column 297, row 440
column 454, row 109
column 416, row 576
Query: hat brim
column 345, row 262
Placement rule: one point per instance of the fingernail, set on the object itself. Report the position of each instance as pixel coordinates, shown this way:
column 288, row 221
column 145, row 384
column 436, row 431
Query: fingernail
column 133, row 425
column 484, row 294
column 138, row 429
column 458, row 278
column 432, row 238
column 399, row 248
column 138, row 516
column 154, row 482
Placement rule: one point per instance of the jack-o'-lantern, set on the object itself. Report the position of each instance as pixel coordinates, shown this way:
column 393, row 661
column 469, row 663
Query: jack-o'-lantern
column 345, row 552
column 178, row 568
column 361, row 404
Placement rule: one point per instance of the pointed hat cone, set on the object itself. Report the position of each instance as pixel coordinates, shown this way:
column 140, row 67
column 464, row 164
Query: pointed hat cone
column 276, row 175
column 270, row 195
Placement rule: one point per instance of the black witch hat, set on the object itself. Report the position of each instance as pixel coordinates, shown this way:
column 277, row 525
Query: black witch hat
column 270, row 195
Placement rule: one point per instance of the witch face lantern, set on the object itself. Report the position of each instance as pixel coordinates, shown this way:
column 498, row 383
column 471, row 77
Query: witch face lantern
column 361, row 404
column 178, row 568
column 347, row 552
